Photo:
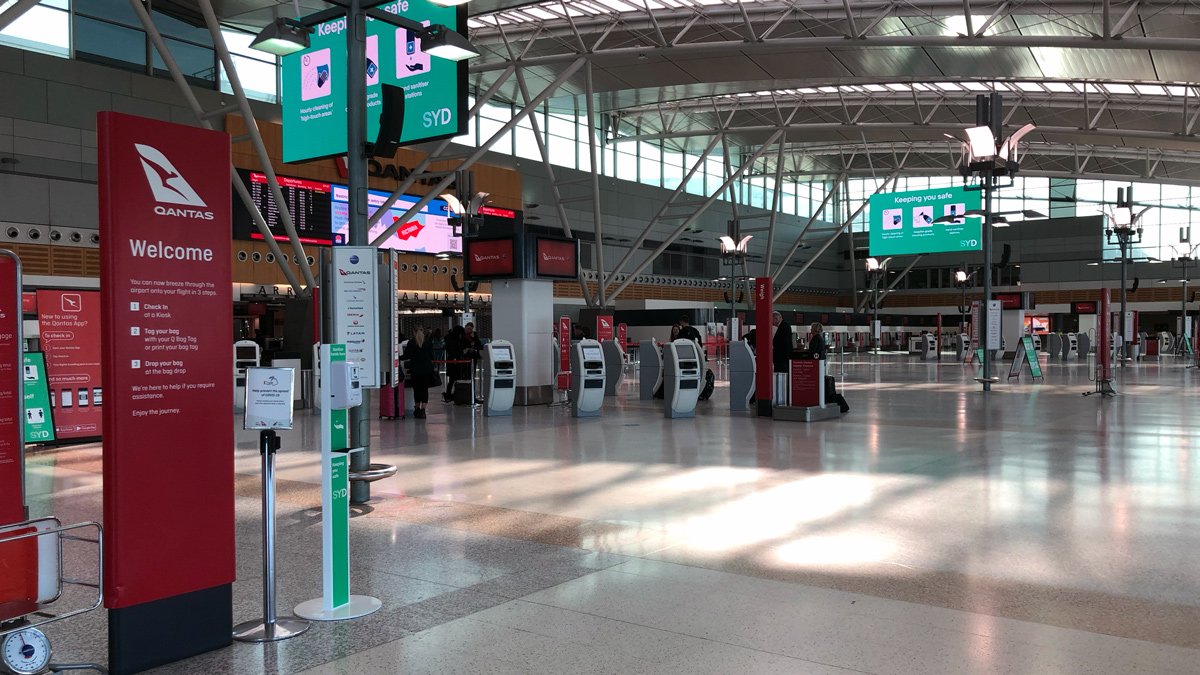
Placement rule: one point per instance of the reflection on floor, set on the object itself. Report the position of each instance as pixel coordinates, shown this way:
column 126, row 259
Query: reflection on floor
column 932, row 529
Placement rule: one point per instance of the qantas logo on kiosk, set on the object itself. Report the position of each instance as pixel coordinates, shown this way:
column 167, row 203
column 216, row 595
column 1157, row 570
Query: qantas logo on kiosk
column 169, row 187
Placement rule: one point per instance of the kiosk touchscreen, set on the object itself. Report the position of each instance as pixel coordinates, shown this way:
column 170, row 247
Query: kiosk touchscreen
column 499, row 378
column 681, row 378
column 741, row 375
column 649, row 369
column 587, row 378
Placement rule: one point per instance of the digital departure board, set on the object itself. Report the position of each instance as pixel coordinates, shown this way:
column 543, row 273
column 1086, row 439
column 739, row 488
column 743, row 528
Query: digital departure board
column 309, row 201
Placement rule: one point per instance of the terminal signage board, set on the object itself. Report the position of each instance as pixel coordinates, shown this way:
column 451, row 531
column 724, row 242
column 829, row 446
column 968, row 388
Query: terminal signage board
column 356, row 308
column 69, row 324
column 167, row 307
column 12, row 442
column 313, row 93
column 902, row 223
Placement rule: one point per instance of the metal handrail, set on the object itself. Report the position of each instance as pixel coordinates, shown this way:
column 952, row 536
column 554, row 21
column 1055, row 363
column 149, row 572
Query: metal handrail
column 57, row 532
column 374, row 472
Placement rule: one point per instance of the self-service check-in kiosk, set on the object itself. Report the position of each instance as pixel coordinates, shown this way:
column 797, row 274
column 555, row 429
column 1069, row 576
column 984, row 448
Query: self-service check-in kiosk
column 587, row 378
column 741, row 375
column 614, row 366
column 681, row 378
column 246, row 354
column 1054, row 345
column 929, row 351
column 499, row 378
column 1071, row 346
column 650, row 369
column 1083, row 345
column 962, row 346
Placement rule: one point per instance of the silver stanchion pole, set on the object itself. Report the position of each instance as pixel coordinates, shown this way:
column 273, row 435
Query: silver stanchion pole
column 270, row 629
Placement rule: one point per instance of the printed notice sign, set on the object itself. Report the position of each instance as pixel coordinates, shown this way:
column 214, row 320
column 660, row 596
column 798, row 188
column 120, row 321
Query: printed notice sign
column 356, row 309
column 269, row 398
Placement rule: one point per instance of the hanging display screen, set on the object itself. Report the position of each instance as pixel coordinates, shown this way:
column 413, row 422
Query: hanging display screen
column 307, row 200
column 924, row 221
column 428, row 231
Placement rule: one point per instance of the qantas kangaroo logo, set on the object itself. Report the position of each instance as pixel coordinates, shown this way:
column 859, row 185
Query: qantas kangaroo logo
column 165, row 182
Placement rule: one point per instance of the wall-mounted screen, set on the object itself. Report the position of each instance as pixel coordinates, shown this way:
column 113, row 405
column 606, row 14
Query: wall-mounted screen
column 307, row 200
column 428, row 231
column 556, row 258
column 1037, row 324
column 490, row 259
column 904, row 223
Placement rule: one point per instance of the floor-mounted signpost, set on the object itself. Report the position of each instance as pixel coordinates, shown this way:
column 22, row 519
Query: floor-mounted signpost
column 339, row 392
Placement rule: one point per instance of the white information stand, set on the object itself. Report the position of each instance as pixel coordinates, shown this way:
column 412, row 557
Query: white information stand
column 339, row 391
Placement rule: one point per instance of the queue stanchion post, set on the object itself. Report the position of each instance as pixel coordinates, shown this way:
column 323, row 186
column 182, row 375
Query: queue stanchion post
column 271, row 628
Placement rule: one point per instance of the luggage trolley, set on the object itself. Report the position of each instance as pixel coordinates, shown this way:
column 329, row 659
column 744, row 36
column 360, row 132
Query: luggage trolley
column 27, row 600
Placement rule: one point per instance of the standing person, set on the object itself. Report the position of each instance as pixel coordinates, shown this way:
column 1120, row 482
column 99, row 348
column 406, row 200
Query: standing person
column 454, row 352
column 688, row 332
column 419, row 354
column 816, row 345
column 675, row 329
column 782, row 345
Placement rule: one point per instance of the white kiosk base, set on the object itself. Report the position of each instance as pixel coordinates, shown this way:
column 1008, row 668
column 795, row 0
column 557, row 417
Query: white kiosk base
column 359, row 605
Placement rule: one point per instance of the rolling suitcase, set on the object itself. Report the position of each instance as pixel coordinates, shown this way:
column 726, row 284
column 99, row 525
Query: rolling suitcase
column 710, row 383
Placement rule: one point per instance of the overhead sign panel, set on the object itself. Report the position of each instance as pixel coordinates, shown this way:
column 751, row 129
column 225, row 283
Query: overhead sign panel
column 903, row 223
column 314, row 83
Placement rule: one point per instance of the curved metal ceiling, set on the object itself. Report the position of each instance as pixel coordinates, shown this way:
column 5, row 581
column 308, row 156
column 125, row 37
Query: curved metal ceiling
column 1102, row 80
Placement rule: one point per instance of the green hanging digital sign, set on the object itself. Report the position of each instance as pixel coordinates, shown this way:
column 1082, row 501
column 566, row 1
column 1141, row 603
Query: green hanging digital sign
column 903, row 223
column 313, row 93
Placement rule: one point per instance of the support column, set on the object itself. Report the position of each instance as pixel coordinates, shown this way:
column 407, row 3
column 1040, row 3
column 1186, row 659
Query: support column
column 356, row 180
column 523, row 313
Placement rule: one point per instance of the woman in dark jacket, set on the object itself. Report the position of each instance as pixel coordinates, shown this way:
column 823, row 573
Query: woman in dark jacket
column 816, row 345
column 419, row 354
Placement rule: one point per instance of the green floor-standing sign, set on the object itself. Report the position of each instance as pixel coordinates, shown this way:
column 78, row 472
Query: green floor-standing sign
column 1025, row 355
column 39, row 417
column 336, row 603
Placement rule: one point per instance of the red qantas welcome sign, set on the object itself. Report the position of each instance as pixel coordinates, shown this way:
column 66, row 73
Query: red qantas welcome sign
column 557, row 258
column 489, row 258
column 165, row 275
column 69, row 326
column 12, row 398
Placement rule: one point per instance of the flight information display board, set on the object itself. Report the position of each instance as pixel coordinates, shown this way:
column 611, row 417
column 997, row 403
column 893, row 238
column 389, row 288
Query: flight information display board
column 428, row 231
column 308, row 201
column 903, row 223
column 313, row 93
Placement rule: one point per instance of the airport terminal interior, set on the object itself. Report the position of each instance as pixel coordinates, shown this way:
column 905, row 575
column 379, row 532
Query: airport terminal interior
column 599, row 336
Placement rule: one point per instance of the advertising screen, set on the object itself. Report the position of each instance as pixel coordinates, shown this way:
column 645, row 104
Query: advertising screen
column 903, row 223
column 490, row 258
column 313, row 93
column 557, row 258
column 428, row 231
column 307, row 200
column 1037, row 324
column 69, row 323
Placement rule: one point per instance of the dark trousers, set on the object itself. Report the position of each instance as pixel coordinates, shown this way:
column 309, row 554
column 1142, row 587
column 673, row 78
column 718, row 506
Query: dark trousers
column 420, row 390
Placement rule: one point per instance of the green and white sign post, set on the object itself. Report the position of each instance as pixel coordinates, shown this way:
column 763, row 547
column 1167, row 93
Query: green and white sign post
column 336, row 603
column 39, row 416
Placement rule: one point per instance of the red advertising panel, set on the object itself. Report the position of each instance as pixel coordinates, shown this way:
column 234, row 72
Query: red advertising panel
column 1083, row 308
column 623, row 335
column 1103, row 332
column 1008, row 300
column 167, row 309
column 604, row 327
column 808, row 384
column 12, row 397
column 29, row 302
column 489, row 258
column 564, row 353
column 763, row 333
column 69, row 325
column 557, row 258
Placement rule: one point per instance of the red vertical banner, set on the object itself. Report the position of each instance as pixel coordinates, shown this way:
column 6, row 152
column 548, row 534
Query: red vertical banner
column 564, row 353
column 808, row 383
column 69, row 329
column 165, row 275
column 763, row 334
column 604, row 327
column 12, row 397
column 623, row 336
column 1104, row 335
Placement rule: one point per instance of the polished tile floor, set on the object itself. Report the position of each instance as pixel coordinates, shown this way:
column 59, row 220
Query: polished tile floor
column 933, row 529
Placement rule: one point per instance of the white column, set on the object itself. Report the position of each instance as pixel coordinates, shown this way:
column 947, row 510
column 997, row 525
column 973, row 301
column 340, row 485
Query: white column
column 523, row 313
